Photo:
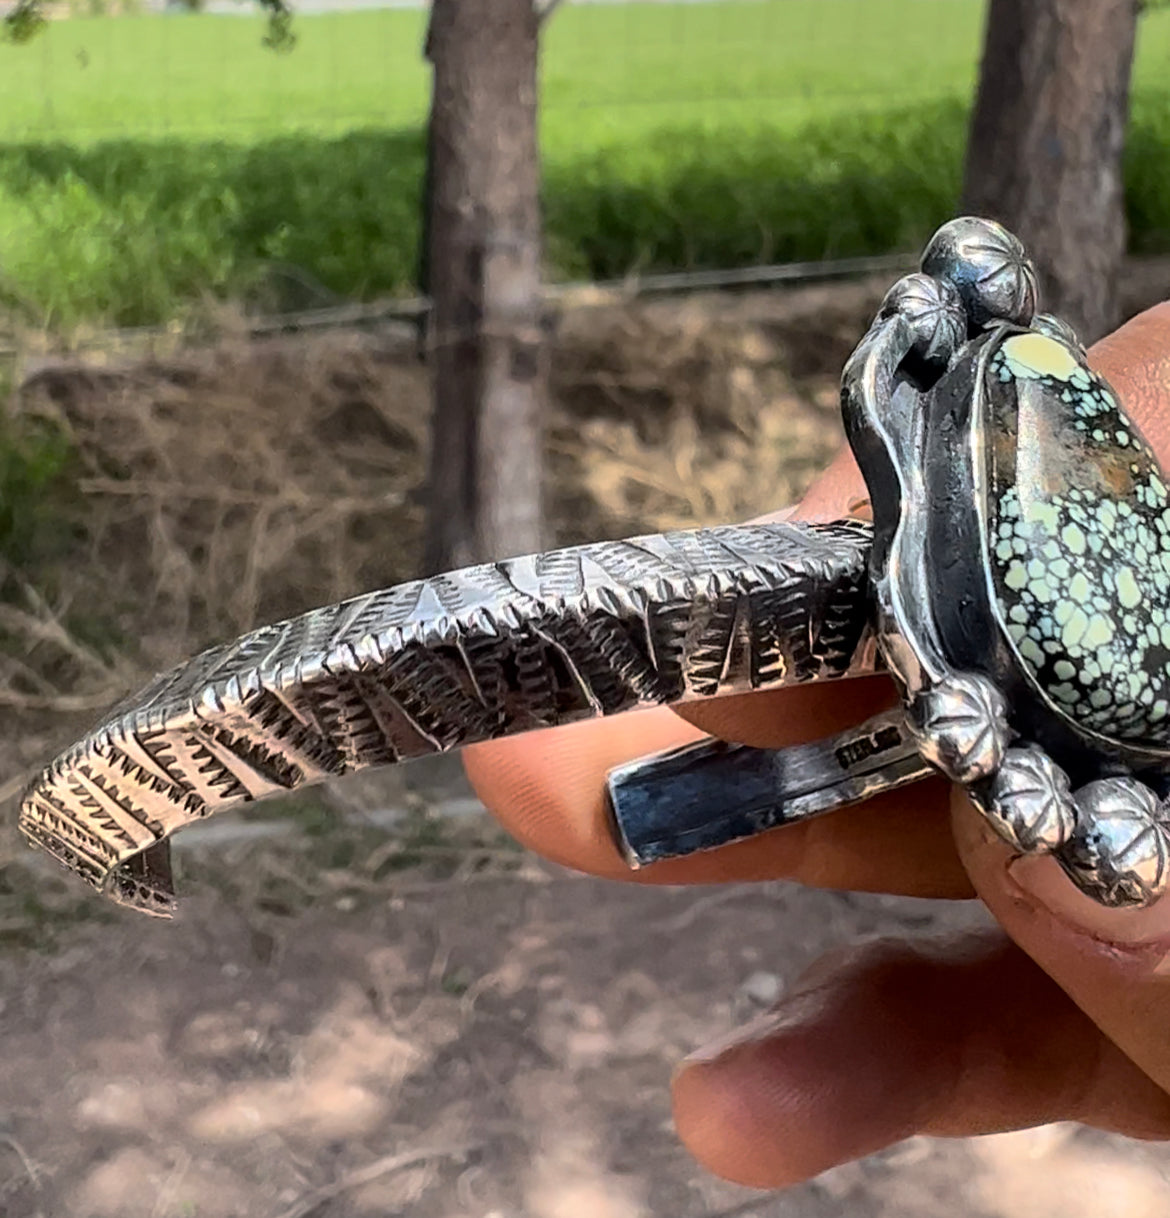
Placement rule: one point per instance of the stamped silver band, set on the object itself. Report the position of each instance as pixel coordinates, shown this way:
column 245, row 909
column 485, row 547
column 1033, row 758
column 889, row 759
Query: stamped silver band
column 437, row 664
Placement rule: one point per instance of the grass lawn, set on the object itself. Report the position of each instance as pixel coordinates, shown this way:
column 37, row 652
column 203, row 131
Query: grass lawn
column 145, row 162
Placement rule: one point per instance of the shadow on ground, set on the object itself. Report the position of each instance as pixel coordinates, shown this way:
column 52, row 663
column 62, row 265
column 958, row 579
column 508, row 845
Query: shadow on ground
column 487, row 1036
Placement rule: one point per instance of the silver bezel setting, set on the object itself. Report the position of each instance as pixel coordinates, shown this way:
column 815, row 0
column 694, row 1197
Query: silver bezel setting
column 1111, row 834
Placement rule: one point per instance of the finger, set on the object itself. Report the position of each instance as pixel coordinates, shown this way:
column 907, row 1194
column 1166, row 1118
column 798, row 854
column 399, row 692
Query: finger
column 1114, row 964
column 954, row 1039
column 548, row 791
column 548, row 788
column 836, row 493
column 1135, row 360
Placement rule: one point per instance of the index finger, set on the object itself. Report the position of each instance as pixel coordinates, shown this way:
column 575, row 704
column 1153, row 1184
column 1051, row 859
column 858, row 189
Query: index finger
column 548, row 788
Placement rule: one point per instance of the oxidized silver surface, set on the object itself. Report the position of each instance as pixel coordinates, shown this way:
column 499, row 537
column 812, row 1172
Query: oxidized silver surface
column 1015, row 584
column 440, row 663
column 987, row 267
column 960, row 724
column 1021, row 563
column 1030, row 804
column 1118, row 850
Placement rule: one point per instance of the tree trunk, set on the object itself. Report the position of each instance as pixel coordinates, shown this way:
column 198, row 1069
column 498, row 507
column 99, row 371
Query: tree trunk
column 1046, row 142
column 486, row 336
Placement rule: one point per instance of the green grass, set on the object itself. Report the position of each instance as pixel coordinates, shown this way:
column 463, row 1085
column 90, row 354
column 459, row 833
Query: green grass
column 148, row 162
column 617, row 69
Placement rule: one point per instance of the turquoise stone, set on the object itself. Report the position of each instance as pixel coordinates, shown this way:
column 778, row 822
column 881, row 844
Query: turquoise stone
column 1079, row 545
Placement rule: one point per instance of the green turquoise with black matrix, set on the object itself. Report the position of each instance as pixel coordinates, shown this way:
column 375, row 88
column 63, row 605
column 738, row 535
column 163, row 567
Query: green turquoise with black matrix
column 1079, row 540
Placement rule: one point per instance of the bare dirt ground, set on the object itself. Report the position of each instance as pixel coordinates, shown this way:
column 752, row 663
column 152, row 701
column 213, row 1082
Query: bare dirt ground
column 474, row 1034
column 371, row 1002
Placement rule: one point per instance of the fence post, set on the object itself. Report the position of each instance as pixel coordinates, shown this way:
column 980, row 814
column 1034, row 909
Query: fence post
column 1046, row 141
column 484, row 265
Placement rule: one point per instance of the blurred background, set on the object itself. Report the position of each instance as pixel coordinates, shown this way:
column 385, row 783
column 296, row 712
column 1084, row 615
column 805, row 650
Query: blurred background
column 297, row 305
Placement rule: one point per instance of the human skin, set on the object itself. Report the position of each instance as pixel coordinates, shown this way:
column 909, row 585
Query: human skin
column 1061, row 1013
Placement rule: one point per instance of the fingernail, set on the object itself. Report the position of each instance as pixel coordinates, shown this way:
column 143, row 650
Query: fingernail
column 797, row 1010
column 1040, row 882
column 1043, row 882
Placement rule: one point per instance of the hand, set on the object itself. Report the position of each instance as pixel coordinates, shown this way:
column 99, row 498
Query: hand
column 1063, row 1014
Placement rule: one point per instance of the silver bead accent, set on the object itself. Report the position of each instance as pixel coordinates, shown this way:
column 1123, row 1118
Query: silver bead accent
column 1119, row 850
column 961, row 727
column 988, row 267
column 934, row 311
column 1029, row 803
column 1058, row 328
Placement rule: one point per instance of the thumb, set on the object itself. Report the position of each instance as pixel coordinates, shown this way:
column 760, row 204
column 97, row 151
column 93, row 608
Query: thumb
column 1113, row 963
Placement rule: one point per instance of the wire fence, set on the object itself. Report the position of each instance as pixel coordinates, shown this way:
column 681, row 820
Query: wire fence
column 153, row 158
